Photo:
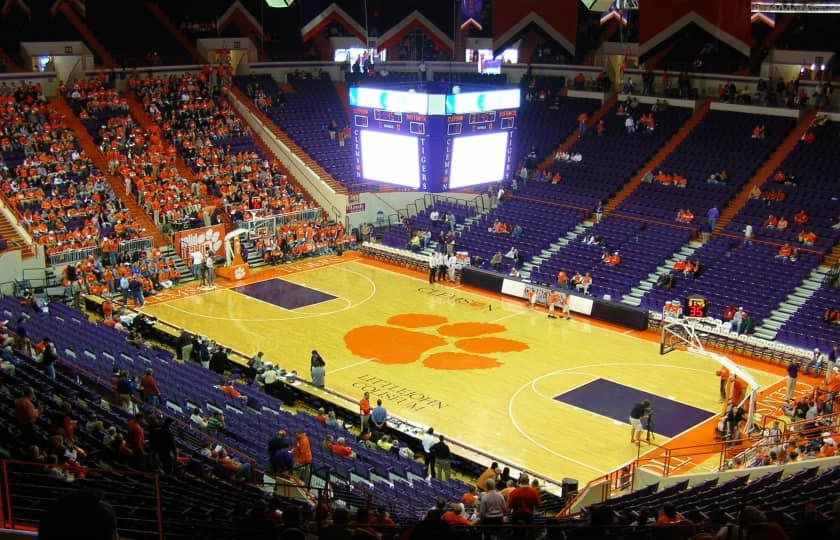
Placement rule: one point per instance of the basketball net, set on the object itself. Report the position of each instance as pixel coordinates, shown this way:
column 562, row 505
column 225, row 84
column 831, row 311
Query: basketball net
column 684, row 334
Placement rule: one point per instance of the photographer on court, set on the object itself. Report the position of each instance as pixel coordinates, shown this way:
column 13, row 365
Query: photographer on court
column 639, row 412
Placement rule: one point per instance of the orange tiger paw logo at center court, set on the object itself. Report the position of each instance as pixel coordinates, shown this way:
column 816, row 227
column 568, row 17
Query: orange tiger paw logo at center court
column 407, row 338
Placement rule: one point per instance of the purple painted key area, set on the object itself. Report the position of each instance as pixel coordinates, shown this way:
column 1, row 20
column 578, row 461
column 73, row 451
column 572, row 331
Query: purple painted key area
column 285, row 294
column 615, row 400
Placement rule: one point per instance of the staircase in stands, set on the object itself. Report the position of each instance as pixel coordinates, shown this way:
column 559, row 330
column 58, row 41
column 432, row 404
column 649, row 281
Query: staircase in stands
column 11, row 65
column 13, row 239
column 93, row 152
column 82, row 28
column 341, row 90
column 763, row 173
column 176, row 34
column 658, row 158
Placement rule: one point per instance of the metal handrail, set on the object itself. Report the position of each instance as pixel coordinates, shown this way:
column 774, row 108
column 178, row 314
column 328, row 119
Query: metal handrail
column 76, row 255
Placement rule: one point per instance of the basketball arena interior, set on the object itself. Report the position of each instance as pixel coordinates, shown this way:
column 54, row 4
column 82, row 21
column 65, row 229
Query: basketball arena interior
column 415, row 269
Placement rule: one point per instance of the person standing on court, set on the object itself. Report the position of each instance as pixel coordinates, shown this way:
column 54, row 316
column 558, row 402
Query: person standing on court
column 428, row 441
column 442, row 455
column 792, row 374
column 639, row 411
column 432, row 267
column 317, row 369
column 209, row 262
column 441, row 266
column 364, row 411
column 723, row 373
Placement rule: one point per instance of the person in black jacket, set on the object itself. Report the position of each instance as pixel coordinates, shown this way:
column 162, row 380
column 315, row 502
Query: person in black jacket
column 442, row 456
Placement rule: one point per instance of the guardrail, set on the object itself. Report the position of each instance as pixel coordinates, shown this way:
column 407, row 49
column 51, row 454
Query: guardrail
column 258, row 226
column 77, row 255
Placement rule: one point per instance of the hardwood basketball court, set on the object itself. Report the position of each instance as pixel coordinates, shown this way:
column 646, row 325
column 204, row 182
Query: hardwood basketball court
column 549, row 395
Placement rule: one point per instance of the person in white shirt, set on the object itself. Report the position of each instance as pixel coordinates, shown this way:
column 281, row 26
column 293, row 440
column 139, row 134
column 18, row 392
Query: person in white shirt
column 196, row 418
column 748, row 234
column 512, row 253
column 441, row 265
column 434, row 215
column 452, row 267
column 433, row 264
column 197, row 261
column 209, row 261
column 428, row 441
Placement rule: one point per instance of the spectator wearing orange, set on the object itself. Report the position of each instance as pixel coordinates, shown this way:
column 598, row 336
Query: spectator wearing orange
column 685, row 216
column 668, row 515
column 611, row 259
column 723, row 375
column 490, row 472
column 302, row 452
column 469, row 498
column 801, row 217
column 784, row 252
column 807, row 238
column 454, row 516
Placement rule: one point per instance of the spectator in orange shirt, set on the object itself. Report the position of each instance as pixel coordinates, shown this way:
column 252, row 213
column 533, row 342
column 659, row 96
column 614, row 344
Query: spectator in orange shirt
column 364, row 410
column 469, row 498
column 562, row 280
column 668, row 515
column 454, row 516
column 723, row 374
column 490, row 472
column 807, row 238
column 339, row 448
column 801, row 217
column 784, row 252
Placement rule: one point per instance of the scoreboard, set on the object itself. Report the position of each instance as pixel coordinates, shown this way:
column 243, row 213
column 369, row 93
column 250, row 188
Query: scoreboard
column 478, row 148
column 475, row 123
column 433, row 142
column 397, row 122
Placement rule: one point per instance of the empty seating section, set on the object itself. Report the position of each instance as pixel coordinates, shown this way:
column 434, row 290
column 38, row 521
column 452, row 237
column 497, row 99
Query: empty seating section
column 642, row 248
column 393, row 482
column 720, row 142
column 39, row 24
column 787, row 498
column 142, row 42
column 63, row 200
column 732, row 272
column 399, row 236
column 306, row 117
column 541, row 222
column 544, row 125
column 609, row 160
column 814, row 169
column 806, row 328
